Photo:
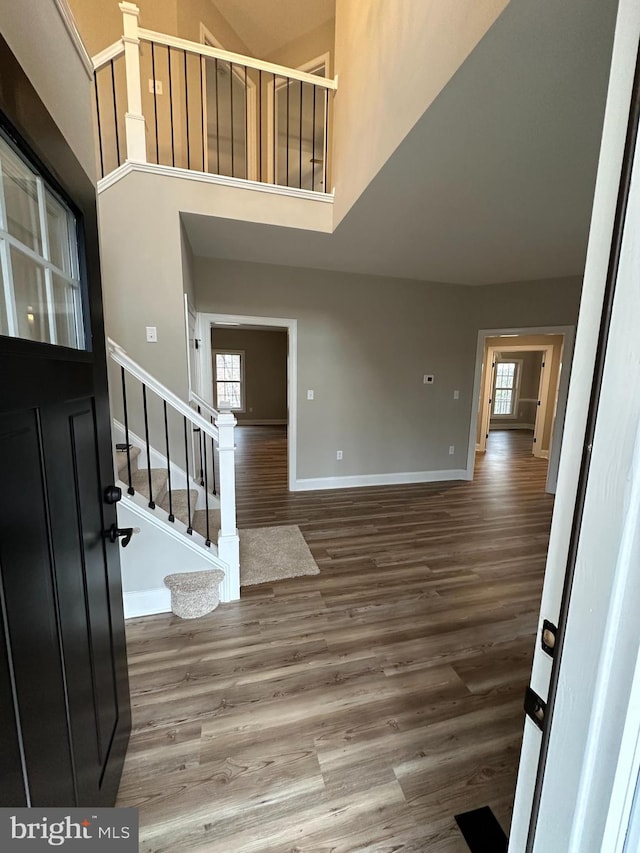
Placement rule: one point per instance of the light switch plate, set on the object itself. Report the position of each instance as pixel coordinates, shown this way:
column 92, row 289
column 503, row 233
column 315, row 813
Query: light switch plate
column 152, row 334
column 428, row 379
column 309, row 394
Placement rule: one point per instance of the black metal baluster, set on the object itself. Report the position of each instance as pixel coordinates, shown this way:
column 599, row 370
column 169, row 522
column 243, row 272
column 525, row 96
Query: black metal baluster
column 199, row 431
column 204, row 130
column 173, row 146
column 313, row 144
column 95, row 81
column 260, row 118
column 213, row 463
column 206, row 490
column 300, row 139
column 186, row 101
column 131, row 490
column 326, row 140
column 166, row 438
column 115, row 110
column 152, row 504
column 288, row 95
column 246, row 125
column 217, row 122
column 155, row 101
column 186, row 466
column 233, row 165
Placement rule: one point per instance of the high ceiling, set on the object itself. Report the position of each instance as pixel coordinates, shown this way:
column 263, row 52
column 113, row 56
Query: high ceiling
column 267, row 26
column 494, row 183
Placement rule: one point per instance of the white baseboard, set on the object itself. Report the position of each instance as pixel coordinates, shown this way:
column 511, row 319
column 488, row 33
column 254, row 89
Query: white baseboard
column 146, row 602
column 394, row 479
column 263, row 422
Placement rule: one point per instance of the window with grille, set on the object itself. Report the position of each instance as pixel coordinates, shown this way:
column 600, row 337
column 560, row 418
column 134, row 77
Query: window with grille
column 41, row 298
column 229, row 379
column 505, row 388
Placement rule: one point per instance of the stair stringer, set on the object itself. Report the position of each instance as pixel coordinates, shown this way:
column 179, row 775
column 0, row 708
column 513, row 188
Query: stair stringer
column 159, row 548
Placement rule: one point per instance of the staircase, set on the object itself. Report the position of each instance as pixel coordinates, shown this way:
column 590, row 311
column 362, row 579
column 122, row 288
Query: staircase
column 182, row 500
column 175, row 467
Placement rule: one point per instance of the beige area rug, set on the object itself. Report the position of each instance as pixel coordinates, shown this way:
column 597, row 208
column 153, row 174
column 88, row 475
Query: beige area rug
column 273, row 554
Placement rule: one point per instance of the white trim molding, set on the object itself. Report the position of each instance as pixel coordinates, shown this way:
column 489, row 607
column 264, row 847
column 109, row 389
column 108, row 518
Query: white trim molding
column 393, row 479
column 146, row 602
column 130, row 166
column 69, row 21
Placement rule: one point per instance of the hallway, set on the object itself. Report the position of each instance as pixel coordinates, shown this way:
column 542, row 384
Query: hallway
column 364, row 707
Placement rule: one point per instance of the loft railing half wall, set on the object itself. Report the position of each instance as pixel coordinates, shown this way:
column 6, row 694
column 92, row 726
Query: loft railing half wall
column 165, row 100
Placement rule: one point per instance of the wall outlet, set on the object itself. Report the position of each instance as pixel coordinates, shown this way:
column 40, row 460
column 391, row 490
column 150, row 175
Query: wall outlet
column 427, row 379
column 452, row 449
column 339, row 455
column 155, row 87
column 309, row 394
column 152, row 334
column 456, row 395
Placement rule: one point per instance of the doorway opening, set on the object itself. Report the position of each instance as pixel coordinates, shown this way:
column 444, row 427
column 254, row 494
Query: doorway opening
column 521, row 384
column 296, row 120
column 229, row 115
column 248, row 366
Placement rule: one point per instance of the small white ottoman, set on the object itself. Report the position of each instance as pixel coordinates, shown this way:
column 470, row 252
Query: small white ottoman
column 194, row 594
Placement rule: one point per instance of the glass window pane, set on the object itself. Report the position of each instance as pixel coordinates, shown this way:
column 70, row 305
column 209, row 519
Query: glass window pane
column 65, row 305
column 21, row 199
column 31, row 303
column 229, row 392
column 61, row 234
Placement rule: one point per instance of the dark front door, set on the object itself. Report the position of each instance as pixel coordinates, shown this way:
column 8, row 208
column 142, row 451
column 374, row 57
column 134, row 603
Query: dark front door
column 64, row 700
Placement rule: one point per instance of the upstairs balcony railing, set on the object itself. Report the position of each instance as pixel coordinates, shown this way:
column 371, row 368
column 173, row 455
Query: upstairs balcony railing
column 172, row 102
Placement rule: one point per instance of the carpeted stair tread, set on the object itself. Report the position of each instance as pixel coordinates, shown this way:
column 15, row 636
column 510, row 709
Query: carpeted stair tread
column 179, row 503
column 121, row 457
column 140, row 482
column 200, row 523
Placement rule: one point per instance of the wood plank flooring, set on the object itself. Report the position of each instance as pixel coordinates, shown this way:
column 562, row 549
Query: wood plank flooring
column 359, row 709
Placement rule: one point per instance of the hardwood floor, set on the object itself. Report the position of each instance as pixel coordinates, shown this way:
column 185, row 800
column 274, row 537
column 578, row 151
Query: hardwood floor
column 359, row 709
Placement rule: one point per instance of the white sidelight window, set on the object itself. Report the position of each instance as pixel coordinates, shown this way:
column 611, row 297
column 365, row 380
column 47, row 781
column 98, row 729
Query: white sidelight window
column 228, row 379
column 39, row 267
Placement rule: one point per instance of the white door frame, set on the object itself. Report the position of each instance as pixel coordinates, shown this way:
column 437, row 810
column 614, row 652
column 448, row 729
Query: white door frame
column 206, row 320
column 563, row 389
column 576, row 805
column 543, row 394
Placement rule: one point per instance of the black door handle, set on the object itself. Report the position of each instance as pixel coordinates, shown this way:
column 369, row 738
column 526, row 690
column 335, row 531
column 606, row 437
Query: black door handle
column 113, row 533
column 112, row 494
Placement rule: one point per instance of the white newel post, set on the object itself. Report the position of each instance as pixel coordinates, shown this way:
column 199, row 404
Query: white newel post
column 228, row 541
column 134, row 120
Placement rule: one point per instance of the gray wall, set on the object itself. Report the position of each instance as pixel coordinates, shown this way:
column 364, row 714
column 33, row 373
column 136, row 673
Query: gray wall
column 265, row 354
column 552, row 302
column 364, row 343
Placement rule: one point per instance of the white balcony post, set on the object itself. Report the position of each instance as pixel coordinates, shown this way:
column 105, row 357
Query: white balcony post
column 228, row 541
column 134, row 120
